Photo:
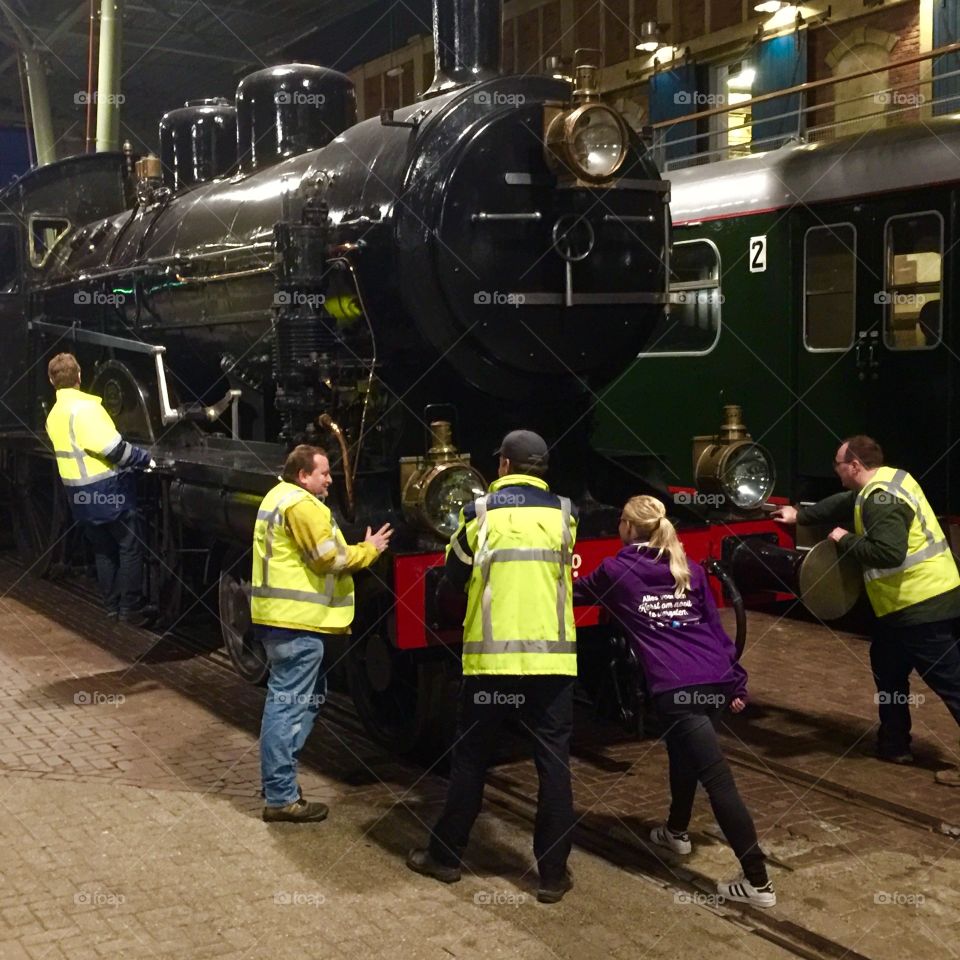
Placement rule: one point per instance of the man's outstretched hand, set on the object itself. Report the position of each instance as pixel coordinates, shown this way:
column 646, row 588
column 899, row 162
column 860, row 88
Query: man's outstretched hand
column 380, row 539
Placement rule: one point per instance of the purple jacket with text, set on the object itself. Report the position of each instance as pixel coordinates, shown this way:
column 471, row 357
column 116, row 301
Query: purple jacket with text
column 678, row 640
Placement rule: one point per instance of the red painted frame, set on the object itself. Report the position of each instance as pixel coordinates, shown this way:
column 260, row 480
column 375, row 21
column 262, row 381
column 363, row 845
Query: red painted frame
column 409, row 575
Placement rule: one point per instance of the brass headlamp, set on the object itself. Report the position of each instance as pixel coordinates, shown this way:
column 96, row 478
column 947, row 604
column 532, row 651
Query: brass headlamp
column 586, row 141
column 732, row 466
column 436, row 487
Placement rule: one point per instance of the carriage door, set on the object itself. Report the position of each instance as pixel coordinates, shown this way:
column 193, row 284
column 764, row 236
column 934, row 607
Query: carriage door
column 13, row 333
column 912, row 358
column 829, row 398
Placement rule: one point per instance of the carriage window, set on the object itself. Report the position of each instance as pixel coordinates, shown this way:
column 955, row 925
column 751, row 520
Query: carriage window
column 693, row 323
column 44, row 234
column 9, row 275
column 829, row 295
column 913, row 282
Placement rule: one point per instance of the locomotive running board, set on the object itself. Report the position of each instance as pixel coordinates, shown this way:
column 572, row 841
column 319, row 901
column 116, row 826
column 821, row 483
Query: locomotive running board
column 168, row 413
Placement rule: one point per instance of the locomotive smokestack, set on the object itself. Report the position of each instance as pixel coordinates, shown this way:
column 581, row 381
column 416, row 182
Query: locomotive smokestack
column 466, row 42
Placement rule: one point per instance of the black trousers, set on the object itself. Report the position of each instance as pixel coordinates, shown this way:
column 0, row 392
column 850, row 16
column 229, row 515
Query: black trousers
column 544, row 706
column 895, row 652
column 119, row 561
column 695, row 756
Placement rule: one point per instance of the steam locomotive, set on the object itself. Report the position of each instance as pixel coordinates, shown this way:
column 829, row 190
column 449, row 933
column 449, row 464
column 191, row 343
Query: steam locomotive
column 400, row 290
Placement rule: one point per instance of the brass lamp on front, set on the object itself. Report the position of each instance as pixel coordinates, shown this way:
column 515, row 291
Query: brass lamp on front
column 732, row 465
column 586, row 141
column 436, row 487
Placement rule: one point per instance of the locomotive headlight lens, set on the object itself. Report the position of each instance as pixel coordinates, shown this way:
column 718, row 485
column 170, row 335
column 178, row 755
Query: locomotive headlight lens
column 589, row 142
column 446, row 494
column 597, row 143
column 747, row 476
column 741, row 472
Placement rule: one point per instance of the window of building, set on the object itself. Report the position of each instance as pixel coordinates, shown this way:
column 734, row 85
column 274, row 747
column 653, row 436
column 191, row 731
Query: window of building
column 733, row 131
column 9, row 272
column 913, row 281
column 829, row 287
column 692, row 325
column 45, row 232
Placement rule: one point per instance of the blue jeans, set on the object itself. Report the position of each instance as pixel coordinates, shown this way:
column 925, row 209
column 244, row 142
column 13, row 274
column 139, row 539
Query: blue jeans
column 295, row 691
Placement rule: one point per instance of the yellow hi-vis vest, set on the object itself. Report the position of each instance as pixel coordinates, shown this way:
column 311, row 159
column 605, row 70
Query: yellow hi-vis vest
column 285, row 592
column 519, row 618
column 928, row 568
column 81, row 431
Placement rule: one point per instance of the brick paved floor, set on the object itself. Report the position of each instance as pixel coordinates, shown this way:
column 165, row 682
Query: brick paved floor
column 128, row 779
column 131, row 828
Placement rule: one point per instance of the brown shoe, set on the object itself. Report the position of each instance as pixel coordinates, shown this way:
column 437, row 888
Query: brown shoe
column 949, row 778
column 300, row 811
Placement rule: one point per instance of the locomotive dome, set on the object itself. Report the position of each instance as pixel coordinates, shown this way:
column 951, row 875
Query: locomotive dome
column 290, row 109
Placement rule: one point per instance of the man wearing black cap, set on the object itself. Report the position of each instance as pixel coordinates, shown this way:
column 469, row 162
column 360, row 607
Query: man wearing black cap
column 513, row 554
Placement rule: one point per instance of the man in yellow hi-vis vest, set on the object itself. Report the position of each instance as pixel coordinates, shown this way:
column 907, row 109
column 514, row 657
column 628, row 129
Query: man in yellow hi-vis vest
column 911, row 581
column 301, row 591
column 95, row 465
column 513, row 553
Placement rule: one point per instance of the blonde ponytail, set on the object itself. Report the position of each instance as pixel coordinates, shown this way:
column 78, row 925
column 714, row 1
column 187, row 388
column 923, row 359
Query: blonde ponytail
column 648, row 521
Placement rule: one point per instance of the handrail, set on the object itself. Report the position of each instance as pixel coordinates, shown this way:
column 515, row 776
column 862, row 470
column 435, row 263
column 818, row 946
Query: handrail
column 813, row 85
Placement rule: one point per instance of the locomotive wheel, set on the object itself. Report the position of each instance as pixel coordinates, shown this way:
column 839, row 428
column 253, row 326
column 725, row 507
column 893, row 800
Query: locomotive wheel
column 398, row 697
column 246, row 652
column 39, row 514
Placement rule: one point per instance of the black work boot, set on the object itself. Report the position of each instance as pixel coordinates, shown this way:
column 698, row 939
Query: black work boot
column 421, row 861
column 300, row 811
column 553, row 892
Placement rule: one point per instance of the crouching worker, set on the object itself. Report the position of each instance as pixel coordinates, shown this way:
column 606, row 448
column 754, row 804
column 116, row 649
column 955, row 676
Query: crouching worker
column 668, row 612
column 96, row 467
column 302, row 591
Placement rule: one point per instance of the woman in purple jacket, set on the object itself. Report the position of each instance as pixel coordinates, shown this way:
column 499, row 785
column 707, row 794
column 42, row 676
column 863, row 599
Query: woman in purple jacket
column 665, row 606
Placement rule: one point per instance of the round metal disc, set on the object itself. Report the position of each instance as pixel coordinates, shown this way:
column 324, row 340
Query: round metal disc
column 829, row 584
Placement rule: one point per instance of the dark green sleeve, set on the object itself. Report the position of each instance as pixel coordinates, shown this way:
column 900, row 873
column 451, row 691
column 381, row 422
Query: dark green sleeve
column 837, row 509
column 886, row 524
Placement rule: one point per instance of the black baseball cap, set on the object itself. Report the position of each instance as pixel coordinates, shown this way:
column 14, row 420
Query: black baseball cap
column 524, row 446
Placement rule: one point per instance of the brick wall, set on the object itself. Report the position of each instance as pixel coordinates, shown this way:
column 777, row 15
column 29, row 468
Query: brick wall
column 902, row 22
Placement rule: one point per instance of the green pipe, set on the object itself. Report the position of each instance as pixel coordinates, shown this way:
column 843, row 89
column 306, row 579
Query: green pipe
column 108, row 76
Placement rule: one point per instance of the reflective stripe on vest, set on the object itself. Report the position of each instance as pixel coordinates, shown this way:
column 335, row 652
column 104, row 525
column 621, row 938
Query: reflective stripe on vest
column 928, row 569
column 273, row 519
column 97, row 470
column 485, row 557
column 934, row 545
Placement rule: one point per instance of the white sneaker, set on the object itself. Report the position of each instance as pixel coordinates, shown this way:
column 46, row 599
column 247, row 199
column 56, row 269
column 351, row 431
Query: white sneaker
column 742, row 891
column 678, row 843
